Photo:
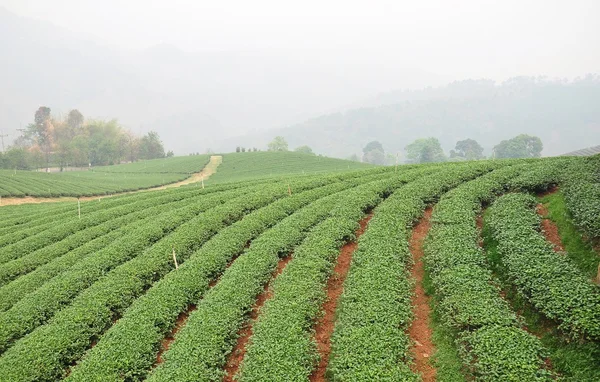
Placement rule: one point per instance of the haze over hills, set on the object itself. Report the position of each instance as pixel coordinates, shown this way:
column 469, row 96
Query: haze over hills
column 323, row 98
column 564, row 114
column 193, row 99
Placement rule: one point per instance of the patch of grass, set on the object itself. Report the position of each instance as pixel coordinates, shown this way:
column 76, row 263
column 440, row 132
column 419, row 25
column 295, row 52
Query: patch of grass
column 446, row 359
column 572, row 360
column 578, row 249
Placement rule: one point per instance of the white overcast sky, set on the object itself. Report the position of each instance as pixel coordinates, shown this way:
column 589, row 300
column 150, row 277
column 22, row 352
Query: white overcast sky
column 454, row 39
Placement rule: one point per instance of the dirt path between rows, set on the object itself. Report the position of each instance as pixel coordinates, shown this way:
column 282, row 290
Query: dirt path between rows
column 206, row 172
column 168, row 340
column 550, row 229
column 420, row 331
column 335, row 287
column 236, row 357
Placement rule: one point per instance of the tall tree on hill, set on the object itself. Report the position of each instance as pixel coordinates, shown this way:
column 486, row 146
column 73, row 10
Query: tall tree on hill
column 373, row 153
column 278, row 144
column 425, row 150
column 521, row 146
column 468, row 148
column 75, row 119
column 41, row 133
column 151, row 146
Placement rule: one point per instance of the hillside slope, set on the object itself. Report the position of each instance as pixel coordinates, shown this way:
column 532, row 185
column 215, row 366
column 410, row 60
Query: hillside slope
column 256, row 165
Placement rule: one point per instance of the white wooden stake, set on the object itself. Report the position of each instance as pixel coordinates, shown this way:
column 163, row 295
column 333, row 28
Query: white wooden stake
column 289, row 190
column 396, row 170
column 175, row 259
column 203, row 182
column 79, row 208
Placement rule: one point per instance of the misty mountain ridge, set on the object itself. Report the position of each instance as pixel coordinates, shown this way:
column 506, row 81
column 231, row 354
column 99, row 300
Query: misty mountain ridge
column 209, row 94
column 564, row 114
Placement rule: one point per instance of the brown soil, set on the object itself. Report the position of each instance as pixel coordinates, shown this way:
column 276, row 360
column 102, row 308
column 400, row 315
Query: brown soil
column 479, row 223
column 235, row 358
column 549, row 229
column 335, row 287
column 168, row 340
column 420, row 331
column 206, row 172
column 549, row 191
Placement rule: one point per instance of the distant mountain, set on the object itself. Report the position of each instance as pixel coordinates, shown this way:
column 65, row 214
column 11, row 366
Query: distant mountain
column 564, row 114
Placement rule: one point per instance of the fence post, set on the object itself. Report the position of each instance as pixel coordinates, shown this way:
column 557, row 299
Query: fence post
column 79, row 208
column 175, row 259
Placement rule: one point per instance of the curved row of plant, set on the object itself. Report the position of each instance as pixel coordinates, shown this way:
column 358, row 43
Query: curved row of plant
column 128, row 349
column 549, row 280
column 21, row 287
column 491, row 343
column 41, row 305
column 17, row 289
column 18, row 217
column 42, row 232
column 201, row 347
column 369, row 340
column 26, row 183
column 99, row 224
column 581, row 187
column 48, row 350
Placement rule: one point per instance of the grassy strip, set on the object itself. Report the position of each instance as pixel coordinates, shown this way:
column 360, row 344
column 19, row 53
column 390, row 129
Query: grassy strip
column 129, row 348
column 578, row 249
column 370, row 341
column 491, row 344
column 573, row 360
column 551, row 282
column 446, row 359
column 211, row 330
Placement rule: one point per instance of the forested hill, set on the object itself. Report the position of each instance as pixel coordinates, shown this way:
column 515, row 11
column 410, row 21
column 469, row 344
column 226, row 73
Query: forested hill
column 565, row 115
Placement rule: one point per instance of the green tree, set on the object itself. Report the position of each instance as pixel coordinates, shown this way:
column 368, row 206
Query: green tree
column 375, row 156
column 354, row 158
column 75, row 119
column 425, row 150
column 468, row 148
column 373, row 153
column 521, row 146
column 278, row 144
column 304, row 149
column 41, row 132
column 16, row 158
column 373, row 145
column 151, row 146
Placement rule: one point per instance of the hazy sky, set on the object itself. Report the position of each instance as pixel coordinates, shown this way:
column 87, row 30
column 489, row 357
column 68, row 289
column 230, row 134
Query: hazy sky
column 453, row 39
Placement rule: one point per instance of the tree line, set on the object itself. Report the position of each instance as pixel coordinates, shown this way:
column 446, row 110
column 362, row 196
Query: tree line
column 427, row 150
column 74, row 141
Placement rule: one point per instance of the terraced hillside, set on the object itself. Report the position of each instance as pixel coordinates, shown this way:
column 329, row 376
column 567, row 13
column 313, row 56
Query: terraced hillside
column 314, row 277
